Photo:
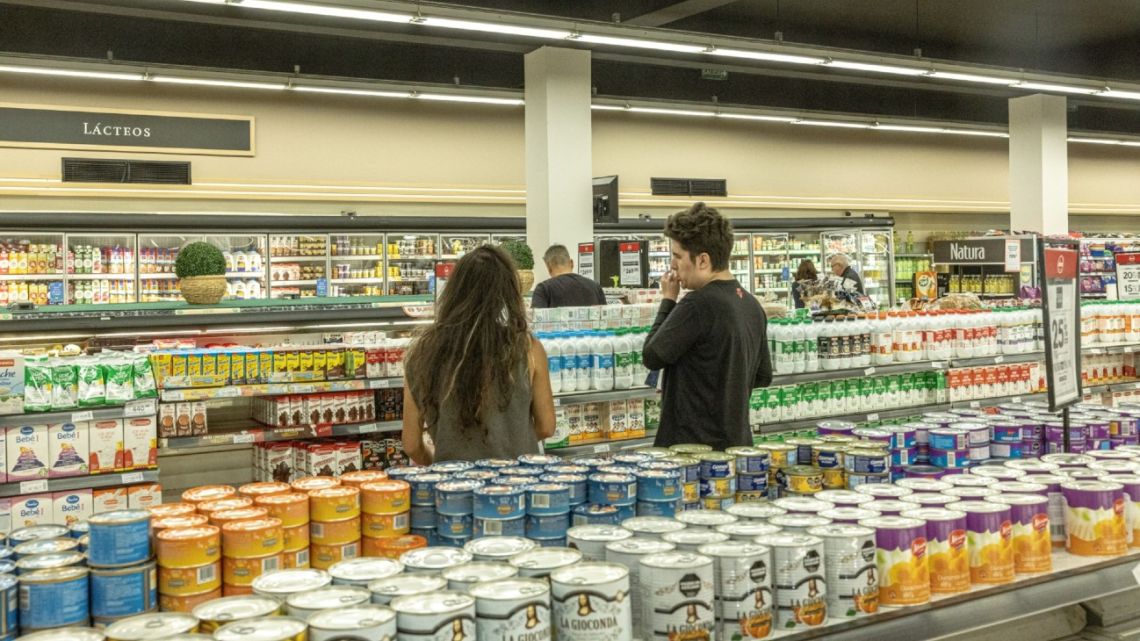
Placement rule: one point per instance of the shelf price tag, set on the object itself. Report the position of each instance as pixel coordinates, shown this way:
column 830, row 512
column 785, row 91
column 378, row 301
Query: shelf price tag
column 133, row 477
column 936, row 364
column 227, row 392
column 586, row 260
column 143, row 407
column 872, row 417
column 1016, row 399
column 379, row 383
column 76, row 417
column 244, row 437
column 869, row 371
column 975, row 404
column 629, row 261
column 602, row 449
column 998, row 360
column 33, row 487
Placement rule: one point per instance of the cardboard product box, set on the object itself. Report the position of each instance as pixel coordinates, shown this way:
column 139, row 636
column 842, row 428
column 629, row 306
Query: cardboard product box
column 292, row 364
column 277, row 462
column 143, row 496
column 69, row 449
column 305, row 366
column 635, row 416
column 224, row 373
column 348, row 457
column 179, row 370
column 321, row 459
column 140, row 443
column 105, row 450
column 32, row 509
column 561, row 437
column 11, row 384
column 160, row 364
column 297, row 417
column 69, row 508
column 198, row 423
column 300, row 460
column 359, row 360
column 320, row 358
column 574, row 422
column 618, row 420
column 107, row 499
column 167, row 420
column 312, row 403
column 183, row 419
column 593, row 421
column 237, row 366
column 27, row 452
column 5, row 516
column 372, row 454
column 210, row 365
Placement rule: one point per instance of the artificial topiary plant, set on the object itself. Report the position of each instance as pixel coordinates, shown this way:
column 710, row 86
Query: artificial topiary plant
column 199, row 259
column 520, row 253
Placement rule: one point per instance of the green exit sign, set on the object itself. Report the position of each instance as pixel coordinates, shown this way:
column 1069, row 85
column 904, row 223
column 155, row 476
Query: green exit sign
column 714, row 74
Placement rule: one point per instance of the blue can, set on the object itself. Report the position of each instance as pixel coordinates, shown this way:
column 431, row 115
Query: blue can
column 454, row 526
column 523, row 470
column 588, row 514
column 690, row 468
column 54, row 599
column 567, row 468
column 521, row 482
column 1007, row 450
column 902, row 436
column 547, row 526
column 402, row 472
column 1005, row 432
column 612, row 489
column 119, row 538
column 540, row 460
column 422, row 516
column 659, row 508
column 494, row 463
column 455, row 497
column 500, row 502
column 559, row 542
column 576, row 483
column 948, row 439
column 626, row 511
column 632, row 458
column 950, row 458
column 686, row 507
column 904, row 457
column 661, row 465
column 751, row 460
column 454, row 542
column 423, row 487
column 452, row 467
column 752, row 483
column 548, row 498
column 429, row 533
column 593, row 462
column 617, row 469
column 34, row 532
column 859, row 461
column 78, row 529
column 123, row 592
column 500, row 527
column 717, row 465
column 9, row 606
column 658, row 485
column 723, row 486
column 476, row 475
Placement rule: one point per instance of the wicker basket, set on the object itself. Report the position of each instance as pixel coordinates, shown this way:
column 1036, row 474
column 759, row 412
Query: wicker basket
column 526, row 279
column 203, row 290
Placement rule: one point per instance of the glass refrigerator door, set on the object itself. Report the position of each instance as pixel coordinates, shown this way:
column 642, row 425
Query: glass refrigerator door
column 770, row 265
column 100, row 269
column 247, row 256
column 356, row 267
column 660, row 257
column 297, row 263
column 876, row 252
column 31, row 268
column 157, row 282
column 411, row 263
column 497, row 239
column 454, row 246
column 740, row 260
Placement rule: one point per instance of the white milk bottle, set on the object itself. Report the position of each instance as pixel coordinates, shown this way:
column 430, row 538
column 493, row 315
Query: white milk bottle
column 582, row 351
column 811, row 345
column 553, row 360
column 799, row 352
column 623, row 359
column 569, row 369
column 601, row 362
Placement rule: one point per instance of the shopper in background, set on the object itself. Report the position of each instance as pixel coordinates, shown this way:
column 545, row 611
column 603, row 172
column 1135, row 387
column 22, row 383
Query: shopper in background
column 713, row 344
column 805, row 274
column 841, row 267
column 565, row 288
column 476, row 381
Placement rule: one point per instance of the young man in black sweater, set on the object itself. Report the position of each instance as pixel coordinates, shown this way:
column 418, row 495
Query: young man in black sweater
column 713, row 345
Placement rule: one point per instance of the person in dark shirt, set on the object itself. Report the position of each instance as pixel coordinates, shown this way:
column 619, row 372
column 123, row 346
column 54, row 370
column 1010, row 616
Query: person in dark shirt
column 805, row 275
column 564, row 288
column 841, row 267
column 713, row 344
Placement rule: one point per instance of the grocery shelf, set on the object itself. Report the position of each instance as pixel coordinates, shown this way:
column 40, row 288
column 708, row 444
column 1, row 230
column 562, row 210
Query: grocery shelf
column 575, row 398
column 981, row 361
column 420, row 258
column 132, row 409
column 159, row 276
column 602, row 446
column 770, row 271
column 914, row 255
column 858, row 372
column 78, row 483
column 298, row 259
column 358, row 281
column 292, row 283
column 243, row 275
column 803, row 252
column 270, row 389
column 267, row 434
column 130, row 276
column 20, row 277
column 361, row 257
column 773, row 427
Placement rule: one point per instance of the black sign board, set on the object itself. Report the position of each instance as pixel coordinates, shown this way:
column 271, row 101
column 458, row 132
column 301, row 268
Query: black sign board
column 52, row 127
column 979, row 251
column 1061, row 307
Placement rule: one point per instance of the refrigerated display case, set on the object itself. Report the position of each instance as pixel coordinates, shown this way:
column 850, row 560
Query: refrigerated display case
column 871, row 253
column 356, row 265
column 246, row 257
column 771, row 266
column 454, row 246
column 100, row 269
column 31, row 267
column 297, row 264
column 411, row 262
column 740, row 261
column 157, row 252
column 1098, row 265
column 906, row 266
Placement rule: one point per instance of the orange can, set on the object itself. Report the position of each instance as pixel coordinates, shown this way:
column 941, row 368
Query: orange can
column 236, row 590
column 221, row 517
column 186, row 603
column 292, row 509
column 310, row 483
column 252, row 539
column 171, row 509
column 334, row 503
column 189, row 581
column 334, row 532
column 362, row 476
column 254, row 490
column 244, row 571
column 158, row 524
column 370, row 546
column 322, row 557
column 297, row 560
column 386, row 497
column 188, row 547
column 203, row 493
column 296, row 538
column 384, row 525
column 232, row 503
column 395, row 546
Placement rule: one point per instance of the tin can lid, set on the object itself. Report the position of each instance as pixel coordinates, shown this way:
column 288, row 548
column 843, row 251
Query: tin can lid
column 469, row 485
column 403, row 584
column 365, row 568
column 170, row 509
column 902, row 522
column 675, row 560
column 352, row 618
column 652, row 524
column 232, row 608
column 50, row 560
column 755, row 510
column 612, row 478
column 261, row 629
column 589, row 573
column 310, row 483
column 598, row 533
column 338, row 492
column 264, row 488
column 479, row 572
column 509, row 589
column 156, row 625
column 499, row 546
column 208, row 493
column 499, row 490
column 65, row 634
column 46, row 546
column 436, row 557
column 747, row 528
column 933, row 514
column 290, row 581
column 547, row 488
column 444, row 602
column 840, row 530
column 426, row 477
column 54, row 575
column 282, row 499
column 252, row 525
column 708, row 518
column 329, row 597
column 788, row 540
column 186, row 533
column 732, row 549
column 546, row 557
column 694, row 537
column 37, row 532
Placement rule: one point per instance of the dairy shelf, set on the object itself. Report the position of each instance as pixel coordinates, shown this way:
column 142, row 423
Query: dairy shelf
column 168, row 446
column 271, row 389
column 131, row 409
column 71, row 483
column 606, row 446
column 23, row 277
column 298, row 259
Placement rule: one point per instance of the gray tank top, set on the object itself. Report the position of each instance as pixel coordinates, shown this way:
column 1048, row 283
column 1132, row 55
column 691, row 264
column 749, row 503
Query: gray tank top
column 510, row 432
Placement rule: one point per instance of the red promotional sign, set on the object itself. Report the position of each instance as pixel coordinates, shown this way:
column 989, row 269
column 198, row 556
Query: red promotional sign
column 585, row 248
column 629, row 247
column 1128, row 258
column 1060, row 263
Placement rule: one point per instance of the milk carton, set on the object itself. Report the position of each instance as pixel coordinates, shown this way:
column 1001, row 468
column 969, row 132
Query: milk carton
column 143, row 496
column 618, row 420
column 593, row 421
column 69, row 508
column 635, row 417
column 11, row 384
column 32, row 509
column 27, row 452
column 68, row 449
column 108, row 499
column 561, row 437
column 573, row 422
column 140, row 443
column 348, row 457
column 105, row 443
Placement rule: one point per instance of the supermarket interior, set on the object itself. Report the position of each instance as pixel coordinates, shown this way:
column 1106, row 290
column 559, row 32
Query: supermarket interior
column 225, row 226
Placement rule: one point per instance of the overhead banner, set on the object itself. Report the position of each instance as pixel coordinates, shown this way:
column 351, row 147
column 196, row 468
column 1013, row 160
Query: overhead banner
column 1061, row 309
column 55, row 127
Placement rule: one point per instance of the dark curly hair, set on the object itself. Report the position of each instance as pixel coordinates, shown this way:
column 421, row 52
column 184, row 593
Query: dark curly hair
column 701, row 229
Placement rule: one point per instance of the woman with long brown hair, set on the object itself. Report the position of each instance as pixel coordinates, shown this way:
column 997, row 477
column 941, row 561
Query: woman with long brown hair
column 476, row 380
column 805, row 274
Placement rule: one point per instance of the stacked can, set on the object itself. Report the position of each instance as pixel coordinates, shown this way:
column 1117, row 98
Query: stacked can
column 743, row 576
column 904, row 448
column 829, row 457
column 423, row 519
column 292, row 509
column 612, row 498
column 334, row 525
column 500, row 510
column 385, row 507
column 250, row 549
column 690, row 469
column 454, row 511
column 548, row 513
column 123, row 578
column 49, row 596
column 718, row 480
column 1007, row 440
column 659, row 491
column 677, row 596
column 189, row 566
column 949, row 449
column 780, row 457
column 752, row 465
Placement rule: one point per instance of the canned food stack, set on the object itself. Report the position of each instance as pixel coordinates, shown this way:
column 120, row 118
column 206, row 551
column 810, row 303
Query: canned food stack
column 423, row 516
column 718, row 480
column 752, row 467
column 54, row 594
column 1007, row 439
column 678, row 593
column 123, row 579
column 334, row 525
column 250, row 549
column 385, row 514
column 548, row 512
column 189, row 563
column 499, row 510
column 454, row 511
column 292, row 509
column 612, row 494
column 690, row 469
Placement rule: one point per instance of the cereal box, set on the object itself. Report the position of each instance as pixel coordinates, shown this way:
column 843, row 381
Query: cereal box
column 140, row 443
column 143, row 496
column 27, row 450
column 183, row 418
column 108, row 498
column 166, row 420
column 32, row 509
column 69, row 508
column 321, row 459
column 11, row 384
column 106, row 446
column 5, row 515
column 68, row 449
column 348, row 457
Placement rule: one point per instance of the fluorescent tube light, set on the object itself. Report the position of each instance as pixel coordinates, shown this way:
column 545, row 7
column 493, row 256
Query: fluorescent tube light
column 238, row 84
column 863, row 66
column 71, row 73
column 354, row 92
column 969, row 77
column 984, row 134
column 1045, row 86
column 1127, row 95
column 325, row 10
column 607, row 108
column 784, row 119
column 1094, row 141
column 671, row 112
column 768, row 57
column 485, row 100
column 487, row 27
column 915, row 129
column 832, row 123
column 638, row 44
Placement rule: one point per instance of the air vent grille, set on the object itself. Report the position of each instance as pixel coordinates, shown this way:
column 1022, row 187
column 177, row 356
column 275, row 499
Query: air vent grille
column 96, row 170
column 688, row 186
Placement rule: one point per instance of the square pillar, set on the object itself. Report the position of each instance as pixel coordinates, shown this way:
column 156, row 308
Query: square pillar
column 1038, row 164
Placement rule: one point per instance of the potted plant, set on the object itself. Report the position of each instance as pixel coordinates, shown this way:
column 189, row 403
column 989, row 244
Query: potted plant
column 201, row 271
column 524, row 262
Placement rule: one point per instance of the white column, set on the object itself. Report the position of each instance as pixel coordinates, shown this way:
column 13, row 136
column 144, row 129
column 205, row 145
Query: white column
column 1038, row 164
column 558, row 151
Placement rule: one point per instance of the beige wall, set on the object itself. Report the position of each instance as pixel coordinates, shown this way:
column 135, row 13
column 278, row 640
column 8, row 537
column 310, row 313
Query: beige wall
column 422, row 158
